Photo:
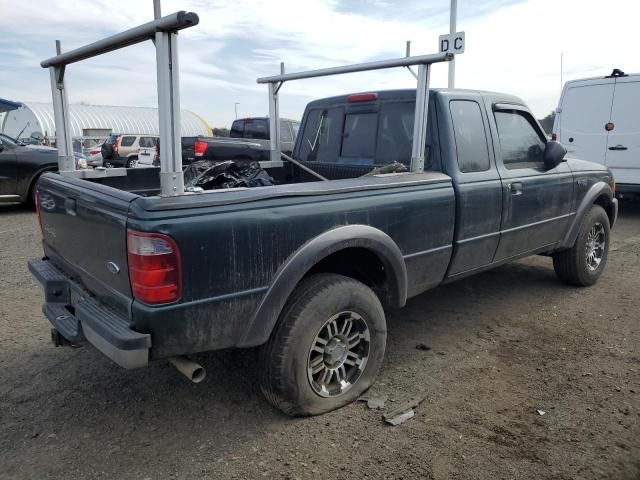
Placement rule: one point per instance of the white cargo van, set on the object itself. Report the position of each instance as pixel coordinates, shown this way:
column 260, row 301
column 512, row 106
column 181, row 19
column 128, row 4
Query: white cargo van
column 598, row 119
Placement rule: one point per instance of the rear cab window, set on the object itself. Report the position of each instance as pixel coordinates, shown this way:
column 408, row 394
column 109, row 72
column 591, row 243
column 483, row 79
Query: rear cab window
column 379, row 135
column 237, row 129
column 521, row 143
column 256, row 128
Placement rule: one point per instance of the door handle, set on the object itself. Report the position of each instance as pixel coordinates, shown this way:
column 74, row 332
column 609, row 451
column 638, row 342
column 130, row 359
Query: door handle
column 515, row 188
column 618, row 147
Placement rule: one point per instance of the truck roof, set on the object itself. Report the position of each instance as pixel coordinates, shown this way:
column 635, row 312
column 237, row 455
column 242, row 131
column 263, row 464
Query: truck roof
column 410, row 94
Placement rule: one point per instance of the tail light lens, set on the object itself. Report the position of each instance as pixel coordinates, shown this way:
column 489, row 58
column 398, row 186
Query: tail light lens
column 155, row 270
column 36, row 199
column 554, row 137
column 199, row 147
column 116, row 145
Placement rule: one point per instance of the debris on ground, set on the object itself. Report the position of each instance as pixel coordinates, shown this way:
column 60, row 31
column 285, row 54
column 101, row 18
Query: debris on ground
column 540, row 412
column 400, row 418
column 404, row 411
column 423, row 346
column 374, row 400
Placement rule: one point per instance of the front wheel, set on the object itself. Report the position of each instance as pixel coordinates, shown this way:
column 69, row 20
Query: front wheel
column 583, row 263
column 327, row 347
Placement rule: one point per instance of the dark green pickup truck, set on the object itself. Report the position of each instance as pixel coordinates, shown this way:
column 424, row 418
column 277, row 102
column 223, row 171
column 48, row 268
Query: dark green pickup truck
column 305, row 269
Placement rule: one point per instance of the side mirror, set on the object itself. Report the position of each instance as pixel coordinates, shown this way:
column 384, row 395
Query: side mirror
column 37, row 135
column 554, row 154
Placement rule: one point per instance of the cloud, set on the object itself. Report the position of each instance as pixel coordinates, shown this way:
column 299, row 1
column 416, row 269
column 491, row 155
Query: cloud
column 512, row 46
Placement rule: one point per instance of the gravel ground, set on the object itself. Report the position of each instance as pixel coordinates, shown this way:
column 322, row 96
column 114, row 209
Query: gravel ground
column 499, row 347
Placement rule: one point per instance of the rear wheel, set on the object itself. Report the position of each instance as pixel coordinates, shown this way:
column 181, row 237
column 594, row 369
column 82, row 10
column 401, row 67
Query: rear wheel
column 327, row 347
column 583, row 263
column 132, row 162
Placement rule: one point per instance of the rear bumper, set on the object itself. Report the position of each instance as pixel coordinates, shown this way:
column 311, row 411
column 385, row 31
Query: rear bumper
column 88, row 319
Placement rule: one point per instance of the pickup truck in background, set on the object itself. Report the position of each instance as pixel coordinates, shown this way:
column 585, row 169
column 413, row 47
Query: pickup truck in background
column 305, row 269
column 248, row 140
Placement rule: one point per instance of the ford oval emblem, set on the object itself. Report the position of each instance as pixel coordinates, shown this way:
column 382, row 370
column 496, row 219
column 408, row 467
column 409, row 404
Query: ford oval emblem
column 113, row 268
column 47, row 202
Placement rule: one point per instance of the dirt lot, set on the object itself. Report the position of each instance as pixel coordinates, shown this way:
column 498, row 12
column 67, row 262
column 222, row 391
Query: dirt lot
column 502, row 345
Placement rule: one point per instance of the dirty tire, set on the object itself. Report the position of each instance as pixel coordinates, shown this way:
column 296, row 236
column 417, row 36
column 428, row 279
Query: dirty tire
column 286, row 357
column 572, row 265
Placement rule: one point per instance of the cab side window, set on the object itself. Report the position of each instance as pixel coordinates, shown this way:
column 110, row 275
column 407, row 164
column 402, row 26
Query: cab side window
column 285, row 132
column 470, row 135
column 521, row 144
column 322, row 135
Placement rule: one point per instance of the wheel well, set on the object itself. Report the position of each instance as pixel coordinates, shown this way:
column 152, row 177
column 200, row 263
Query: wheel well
column 34, row 180
column 605, row 202
column 360, row 264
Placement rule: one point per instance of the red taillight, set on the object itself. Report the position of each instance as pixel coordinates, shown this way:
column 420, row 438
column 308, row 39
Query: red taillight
column 36, row 199
column 155, row 271
column 199, row 147
column 362, row 97
column 554, row 137
column 94, row 152
column 116, row 145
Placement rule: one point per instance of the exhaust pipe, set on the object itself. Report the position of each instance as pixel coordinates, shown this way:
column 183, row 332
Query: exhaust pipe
column 190, row 369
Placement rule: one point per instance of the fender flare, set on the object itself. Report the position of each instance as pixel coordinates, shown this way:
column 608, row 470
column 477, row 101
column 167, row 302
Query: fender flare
column 595, row 191
column 304, row 258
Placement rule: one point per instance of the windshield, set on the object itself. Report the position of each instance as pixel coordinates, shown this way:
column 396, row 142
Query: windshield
column 8, row 140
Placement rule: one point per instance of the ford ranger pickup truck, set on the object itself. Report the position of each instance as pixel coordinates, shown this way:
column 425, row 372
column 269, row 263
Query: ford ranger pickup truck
column 306, row 269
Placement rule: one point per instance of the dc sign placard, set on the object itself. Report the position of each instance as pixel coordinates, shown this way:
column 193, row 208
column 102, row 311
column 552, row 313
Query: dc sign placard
column 451, row 43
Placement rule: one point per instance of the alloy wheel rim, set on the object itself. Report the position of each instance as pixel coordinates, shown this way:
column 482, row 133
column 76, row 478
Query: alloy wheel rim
column 595, row 245
column 339, row 354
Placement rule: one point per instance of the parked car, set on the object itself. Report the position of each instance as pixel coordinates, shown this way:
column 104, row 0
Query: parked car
column 20, row 167
column 598, row 119
column 94, row 156
column 121, row 150
column 306, row 269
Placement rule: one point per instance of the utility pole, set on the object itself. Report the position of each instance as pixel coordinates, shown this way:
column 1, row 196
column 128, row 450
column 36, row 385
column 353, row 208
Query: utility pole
column 453, row 13
column 235, row 106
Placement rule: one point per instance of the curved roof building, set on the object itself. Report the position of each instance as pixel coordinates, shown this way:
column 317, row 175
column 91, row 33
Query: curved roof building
column 38, row 117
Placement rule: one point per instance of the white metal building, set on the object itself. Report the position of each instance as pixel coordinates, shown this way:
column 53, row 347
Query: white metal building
column 33, row 117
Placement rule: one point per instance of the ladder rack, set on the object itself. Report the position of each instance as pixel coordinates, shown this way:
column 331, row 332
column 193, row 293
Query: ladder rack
column 424, row 63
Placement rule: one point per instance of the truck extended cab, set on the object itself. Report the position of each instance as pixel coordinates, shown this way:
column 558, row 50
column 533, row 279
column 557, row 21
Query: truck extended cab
column 306, row 269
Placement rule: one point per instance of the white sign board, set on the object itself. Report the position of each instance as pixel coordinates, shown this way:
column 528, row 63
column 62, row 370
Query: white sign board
column 451, row 43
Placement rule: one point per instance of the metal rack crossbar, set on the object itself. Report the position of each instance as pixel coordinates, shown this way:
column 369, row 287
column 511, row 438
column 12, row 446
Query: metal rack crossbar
column 422, row 97
column 164, row 32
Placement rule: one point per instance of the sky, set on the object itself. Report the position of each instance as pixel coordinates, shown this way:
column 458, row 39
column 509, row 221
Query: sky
column 512, row 46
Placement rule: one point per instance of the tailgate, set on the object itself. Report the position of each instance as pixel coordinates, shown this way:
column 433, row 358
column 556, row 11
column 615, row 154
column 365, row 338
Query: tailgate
column 84, row 227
